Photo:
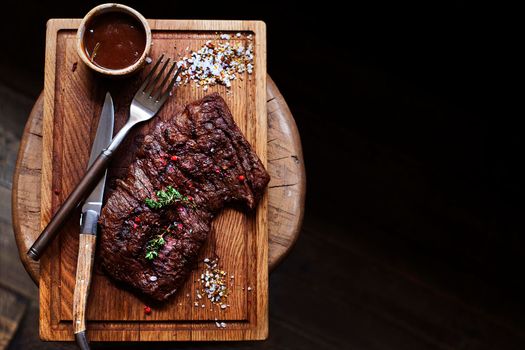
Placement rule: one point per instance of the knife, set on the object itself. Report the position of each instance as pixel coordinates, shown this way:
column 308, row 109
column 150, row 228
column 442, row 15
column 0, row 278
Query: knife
column 88, row 227
column 146, row 103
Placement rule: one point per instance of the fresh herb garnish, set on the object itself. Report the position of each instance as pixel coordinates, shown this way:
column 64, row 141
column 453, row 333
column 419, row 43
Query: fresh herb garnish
column 167, row 197
column 154, row 245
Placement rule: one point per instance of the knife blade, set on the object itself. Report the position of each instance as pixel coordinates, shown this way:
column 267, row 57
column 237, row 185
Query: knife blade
column 103, row 138
column 88, row 227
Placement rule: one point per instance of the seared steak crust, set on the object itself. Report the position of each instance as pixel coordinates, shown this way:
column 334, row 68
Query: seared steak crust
column 201, row 153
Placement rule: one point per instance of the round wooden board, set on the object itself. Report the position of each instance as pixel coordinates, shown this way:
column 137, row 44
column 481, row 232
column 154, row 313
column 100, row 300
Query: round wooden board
column 286, row 192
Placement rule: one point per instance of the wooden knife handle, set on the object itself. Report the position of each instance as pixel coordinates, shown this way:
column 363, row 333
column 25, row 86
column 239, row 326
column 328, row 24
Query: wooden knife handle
column 86, row 255
column 86, row 185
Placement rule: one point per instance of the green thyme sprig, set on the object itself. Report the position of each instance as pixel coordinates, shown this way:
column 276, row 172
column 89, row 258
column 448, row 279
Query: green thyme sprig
column 154, row 245
column 167, row 197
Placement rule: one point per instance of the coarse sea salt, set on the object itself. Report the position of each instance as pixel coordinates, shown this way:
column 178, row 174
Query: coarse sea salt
column 213, row 282
column 217, row 63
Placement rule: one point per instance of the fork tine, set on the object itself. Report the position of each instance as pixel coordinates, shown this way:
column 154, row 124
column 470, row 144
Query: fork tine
column 161, row 87
column 170, row 87
column 148, row 77
column 157, row 78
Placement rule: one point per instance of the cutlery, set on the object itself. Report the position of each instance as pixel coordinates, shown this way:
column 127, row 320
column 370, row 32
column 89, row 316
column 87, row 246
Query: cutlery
column 148, row 100
column 88, row 227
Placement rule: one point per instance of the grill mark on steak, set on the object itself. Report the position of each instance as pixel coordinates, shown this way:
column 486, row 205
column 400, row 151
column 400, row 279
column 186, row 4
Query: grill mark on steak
column 205, row 138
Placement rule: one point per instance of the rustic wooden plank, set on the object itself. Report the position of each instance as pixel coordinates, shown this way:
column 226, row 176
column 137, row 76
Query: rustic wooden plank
column 70, row 112
column 12, row 274
column 12, row 308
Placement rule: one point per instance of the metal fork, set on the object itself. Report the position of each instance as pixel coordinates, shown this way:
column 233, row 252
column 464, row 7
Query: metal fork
column 147, row 102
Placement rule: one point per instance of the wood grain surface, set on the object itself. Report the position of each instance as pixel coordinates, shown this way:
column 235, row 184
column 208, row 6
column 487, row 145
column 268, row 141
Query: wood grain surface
column 86, row 258
column 239, row 239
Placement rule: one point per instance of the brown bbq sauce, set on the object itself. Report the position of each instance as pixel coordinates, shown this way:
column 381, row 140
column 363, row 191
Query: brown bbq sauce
column 114, row 40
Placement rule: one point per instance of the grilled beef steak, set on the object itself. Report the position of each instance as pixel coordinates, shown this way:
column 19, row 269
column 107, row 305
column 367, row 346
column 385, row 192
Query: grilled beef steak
column 200, row 161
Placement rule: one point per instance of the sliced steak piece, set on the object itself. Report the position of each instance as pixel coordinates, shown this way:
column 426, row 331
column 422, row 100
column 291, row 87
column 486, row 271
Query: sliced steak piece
column 203, row 155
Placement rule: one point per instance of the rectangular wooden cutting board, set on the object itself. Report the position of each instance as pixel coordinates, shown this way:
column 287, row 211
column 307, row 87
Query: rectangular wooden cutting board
column 72, row 103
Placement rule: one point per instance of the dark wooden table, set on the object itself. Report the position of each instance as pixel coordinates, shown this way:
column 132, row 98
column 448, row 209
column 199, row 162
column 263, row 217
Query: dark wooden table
column 421, row 247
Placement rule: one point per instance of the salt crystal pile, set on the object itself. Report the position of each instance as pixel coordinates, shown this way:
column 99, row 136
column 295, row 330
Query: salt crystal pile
column 218, row 63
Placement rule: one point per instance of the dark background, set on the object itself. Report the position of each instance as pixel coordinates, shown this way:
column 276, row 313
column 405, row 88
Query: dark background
column 413, row 232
